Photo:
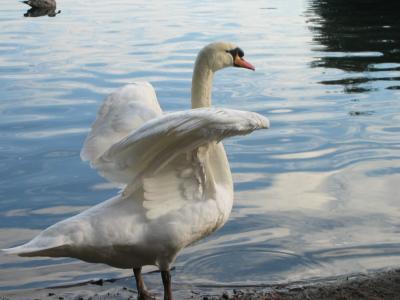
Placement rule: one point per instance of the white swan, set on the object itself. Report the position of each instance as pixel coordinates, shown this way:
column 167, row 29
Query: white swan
column 178, row 185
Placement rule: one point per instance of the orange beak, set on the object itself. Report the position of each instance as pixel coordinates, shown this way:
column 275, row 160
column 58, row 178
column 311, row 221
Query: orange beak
column 241, row 63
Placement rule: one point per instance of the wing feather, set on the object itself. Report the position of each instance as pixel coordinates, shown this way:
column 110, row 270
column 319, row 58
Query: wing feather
column 166, row 156
column 174, row 186
column 121, row 112
column 159, row 141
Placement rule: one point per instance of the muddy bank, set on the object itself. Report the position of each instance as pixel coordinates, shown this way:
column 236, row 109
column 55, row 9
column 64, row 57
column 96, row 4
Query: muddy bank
column 376, row 286
column 383, row 285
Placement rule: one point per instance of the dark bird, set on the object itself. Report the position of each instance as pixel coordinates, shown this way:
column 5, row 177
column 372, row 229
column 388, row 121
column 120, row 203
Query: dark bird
column 41, row 3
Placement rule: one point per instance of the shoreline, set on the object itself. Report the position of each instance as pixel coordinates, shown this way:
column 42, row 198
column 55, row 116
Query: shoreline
column 377, row 285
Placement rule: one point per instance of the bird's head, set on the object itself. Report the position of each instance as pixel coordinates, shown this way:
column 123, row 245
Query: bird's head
column 221, row 55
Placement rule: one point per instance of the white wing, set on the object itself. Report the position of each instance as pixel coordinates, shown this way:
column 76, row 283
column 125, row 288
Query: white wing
column 182, row 180
column 122, row 111
column 150, row 148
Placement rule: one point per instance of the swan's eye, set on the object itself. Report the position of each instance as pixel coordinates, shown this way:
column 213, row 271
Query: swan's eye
column 236, row 52
column 240, row 52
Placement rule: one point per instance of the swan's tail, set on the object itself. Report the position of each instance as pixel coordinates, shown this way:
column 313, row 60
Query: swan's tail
column 37, row 247
column 20, row 250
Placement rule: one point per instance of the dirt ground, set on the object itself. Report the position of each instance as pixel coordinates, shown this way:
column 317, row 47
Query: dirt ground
column 383, row 285
column 377, row 286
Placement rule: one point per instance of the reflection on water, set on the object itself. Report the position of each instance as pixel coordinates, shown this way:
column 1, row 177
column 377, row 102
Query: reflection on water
column 360, row 37
column 316, row 195
column 40, row 12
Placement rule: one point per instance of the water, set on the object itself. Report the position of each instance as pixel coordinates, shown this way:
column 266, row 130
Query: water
column 316, row 195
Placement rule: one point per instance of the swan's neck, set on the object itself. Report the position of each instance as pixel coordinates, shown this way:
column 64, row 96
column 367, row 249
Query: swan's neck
column 201, row 84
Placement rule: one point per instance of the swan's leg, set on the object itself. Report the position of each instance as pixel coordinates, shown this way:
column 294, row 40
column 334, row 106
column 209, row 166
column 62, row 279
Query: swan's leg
column 143, row 294
column 166, row 278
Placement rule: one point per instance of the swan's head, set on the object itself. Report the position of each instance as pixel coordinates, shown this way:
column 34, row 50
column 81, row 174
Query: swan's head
column 220, row 55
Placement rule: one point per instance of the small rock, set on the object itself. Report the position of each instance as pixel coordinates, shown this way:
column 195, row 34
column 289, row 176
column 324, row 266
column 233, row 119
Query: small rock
column 98, row 282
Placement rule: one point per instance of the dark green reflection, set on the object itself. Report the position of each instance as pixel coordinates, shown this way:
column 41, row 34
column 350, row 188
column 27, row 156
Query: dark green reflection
column 358, row 34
